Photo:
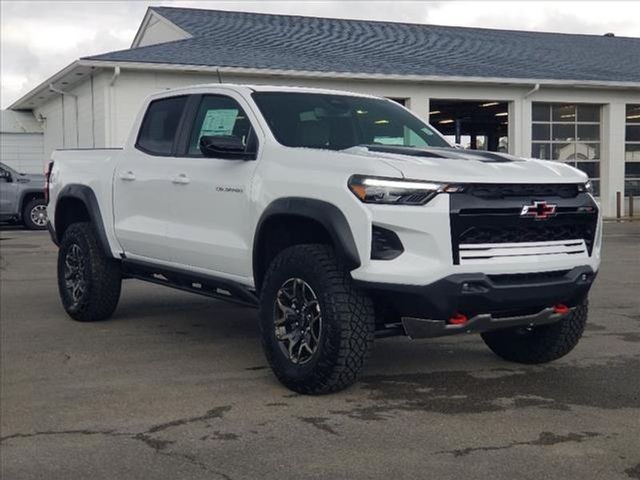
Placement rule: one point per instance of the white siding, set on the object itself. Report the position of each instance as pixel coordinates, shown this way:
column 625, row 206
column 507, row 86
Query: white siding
column 81, row 124
column 23, row 151
column 159, row 30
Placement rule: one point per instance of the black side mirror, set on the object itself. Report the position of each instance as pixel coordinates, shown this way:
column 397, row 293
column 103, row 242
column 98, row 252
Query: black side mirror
column 228, row 147
column 6, row 176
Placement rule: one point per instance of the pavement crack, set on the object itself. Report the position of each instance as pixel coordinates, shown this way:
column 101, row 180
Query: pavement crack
column 146, row 437
column 321, row 423
column 62, row 432
column 544, row 439
column 217, row 412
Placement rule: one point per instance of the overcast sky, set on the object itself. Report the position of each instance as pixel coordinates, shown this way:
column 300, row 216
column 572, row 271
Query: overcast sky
column 38, row 38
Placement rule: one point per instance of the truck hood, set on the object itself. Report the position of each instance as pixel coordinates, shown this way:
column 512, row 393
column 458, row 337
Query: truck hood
column 465, row 166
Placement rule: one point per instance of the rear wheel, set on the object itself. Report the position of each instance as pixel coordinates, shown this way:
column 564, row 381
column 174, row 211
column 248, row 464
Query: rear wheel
column 539, row 344
column 317, row 328
column 88, row 281
column 34, row 215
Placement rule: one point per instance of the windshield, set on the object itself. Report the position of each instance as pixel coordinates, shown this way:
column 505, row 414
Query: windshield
column 337, row 122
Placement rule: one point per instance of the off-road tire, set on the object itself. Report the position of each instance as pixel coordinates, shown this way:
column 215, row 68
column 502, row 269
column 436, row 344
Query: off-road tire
column 541, row 344
column 26, row 214
column 103, row 277
column 348, row 321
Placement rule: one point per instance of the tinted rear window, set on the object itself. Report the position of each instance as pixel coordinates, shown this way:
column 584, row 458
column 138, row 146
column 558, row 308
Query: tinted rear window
column 160, row 125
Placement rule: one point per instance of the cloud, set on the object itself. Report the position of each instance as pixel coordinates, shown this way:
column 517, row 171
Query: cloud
column 38, row 39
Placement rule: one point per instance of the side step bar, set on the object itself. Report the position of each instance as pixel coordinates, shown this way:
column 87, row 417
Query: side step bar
column 206, row 285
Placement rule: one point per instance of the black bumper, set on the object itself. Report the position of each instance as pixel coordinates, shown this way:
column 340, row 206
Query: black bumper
column 516, row 299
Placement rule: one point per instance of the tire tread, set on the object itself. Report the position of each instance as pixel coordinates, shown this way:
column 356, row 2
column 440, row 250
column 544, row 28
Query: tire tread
column 341, row 364
column 106, row 277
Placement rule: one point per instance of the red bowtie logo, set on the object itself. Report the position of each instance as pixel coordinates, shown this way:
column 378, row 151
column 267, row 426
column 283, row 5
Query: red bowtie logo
column 538, row 210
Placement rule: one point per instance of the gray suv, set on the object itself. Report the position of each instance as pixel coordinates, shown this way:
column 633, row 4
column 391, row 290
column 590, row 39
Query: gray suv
column 22, row 198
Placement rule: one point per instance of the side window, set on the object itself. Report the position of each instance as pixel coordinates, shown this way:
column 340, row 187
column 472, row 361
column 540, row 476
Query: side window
column 220, row 116
column 160, row 125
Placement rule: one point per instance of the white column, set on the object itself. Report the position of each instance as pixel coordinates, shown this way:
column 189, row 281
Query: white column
column 420, row 106
column 612, row 156
column 520, row 127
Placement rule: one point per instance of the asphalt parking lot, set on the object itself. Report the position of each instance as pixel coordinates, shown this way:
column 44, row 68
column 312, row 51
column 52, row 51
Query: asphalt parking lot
column 175, row 386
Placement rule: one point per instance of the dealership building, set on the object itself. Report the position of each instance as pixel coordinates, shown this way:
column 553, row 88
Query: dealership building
column 570, row 98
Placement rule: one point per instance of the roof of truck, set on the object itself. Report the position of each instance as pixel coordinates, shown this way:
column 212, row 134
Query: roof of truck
column 268, row 88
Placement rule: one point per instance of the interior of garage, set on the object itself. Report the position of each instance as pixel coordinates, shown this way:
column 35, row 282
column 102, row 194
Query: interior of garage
column 473, row 124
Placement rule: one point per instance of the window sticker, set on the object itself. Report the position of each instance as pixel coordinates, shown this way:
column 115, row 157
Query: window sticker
column 219, row 122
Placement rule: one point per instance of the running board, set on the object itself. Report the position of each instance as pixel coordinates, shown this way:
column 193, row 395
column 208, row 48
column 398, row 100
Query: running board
column 209, row 286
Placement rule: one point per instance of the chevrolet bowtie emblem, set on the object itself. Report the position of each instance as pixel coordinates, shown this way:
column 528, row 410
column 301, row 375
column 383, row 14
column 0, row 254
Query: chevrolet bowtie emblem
column 538, row 210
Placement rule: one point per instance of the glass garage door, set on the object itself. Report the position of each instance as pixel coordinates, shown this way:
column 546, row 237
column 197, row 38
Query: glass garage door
column 568, row 133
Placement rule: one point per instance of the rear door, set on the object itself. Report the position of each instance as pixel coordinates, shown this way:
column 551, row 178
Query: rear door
column 8, row 192
column 143, row 178
column 210, row 208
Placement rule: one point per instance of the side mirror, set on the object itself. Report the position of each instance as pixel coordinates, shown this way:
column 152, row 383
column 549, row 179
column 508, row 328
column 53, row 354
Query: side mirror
column 5, row 176
column 228, row 147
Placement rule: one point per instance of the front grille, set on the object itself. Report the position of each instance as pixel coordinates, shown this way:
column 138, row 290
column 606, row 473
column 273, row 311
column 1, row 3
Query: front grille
column 536, row 232
column 483, row 229
column 490, row 190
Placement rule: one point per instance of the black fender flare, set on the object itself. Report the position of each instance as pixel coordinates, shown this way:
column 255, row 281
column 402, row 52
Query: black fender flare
column 87, row 196
column 325, row 213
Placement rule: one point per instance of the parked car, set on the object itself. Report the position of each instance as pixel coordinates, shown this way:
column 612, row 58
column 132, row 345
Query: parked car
column 22, row 198
column 341, row 217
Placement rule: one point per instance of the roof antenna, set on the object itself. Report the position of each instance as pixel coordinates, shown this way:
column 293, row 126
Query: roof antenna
column 219, row 76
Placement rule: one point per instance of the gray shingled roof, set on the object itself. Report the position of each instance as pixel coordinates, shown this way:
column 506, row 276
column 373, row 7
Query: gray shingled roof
column 251, row 40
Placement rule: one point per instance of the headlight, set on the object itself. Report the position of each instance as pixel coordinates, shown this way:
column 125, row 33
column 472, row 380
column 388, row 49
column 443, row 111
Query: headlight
column 586, row 187
column 392, row 191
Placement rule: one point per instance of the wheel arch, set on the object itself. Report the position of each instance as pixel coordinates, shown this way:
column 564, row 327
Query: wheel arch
column 319, row 220
column 26, row 196
column 78, row 203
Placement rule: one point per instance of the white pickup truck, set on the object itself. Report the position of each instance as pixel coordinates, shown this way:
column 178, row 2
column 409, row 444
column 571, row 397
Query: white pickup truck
column 342, row 217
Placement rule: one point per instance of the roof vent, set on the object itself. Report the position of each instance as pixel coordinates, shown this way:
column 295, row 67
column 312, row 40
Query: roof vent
column 609, row 34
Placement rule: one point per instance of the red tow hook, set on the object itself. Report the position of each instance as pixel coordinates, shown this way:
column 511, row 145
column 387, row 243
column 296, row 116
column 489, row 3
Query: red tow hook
column 458, row 319
column 561, row 309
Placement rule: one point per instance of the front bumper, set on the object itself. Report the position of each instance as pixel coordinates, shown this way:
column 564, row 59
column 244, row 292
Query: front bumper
column 489, row 301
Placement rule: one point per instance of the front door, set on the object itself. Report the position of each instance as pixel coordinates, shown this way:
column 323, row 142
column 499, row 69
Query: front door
column 210, row 208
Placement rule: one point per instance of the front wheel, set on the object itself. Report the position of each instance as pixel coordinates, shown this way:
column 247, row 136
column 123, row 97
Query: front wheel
column 34, row 215
column 539, row 344
column 317, row 328
column 88, row 281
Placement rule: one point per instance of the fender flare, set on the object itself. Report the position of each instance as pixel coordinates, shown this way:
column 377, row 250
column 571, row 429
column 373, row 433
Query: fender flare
column 87, row 196
column 325, row 213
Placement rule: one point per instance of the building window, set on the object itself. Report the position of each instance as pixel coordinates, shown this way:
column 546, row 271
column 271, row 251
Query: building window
column 632, row 151
column 568, row 133
column 401, row 101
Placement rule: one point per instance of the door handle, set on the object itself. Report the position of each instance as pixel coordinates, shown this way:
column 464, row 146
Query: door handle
column 181, row 179
column 127, row 176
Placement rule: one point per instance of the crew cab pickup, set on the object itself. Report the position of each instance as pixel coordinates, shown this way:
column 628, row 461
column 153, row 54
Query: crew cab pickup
column 342, row 217
column 22, row 199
